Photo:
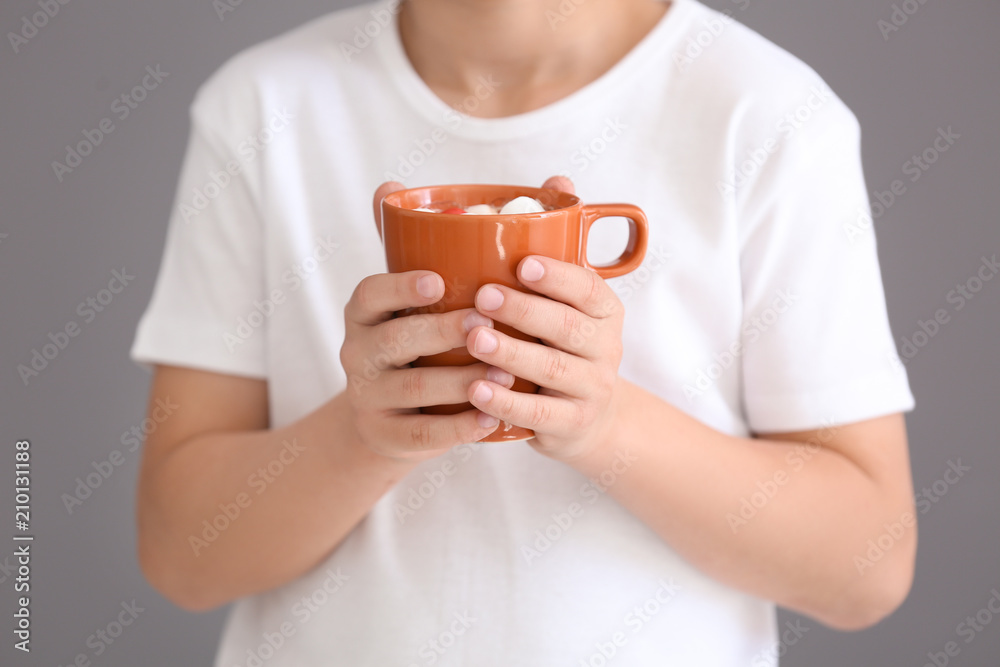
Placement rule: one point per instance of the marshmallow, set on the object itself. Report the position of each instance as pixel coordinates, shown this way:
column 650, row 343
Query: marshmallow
column 522, row 205
column 481, row 209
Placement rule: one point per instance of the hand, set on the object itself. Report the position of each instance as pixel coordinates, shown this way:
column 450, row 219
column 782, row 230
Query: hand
column 384, row 394
column 580, row 323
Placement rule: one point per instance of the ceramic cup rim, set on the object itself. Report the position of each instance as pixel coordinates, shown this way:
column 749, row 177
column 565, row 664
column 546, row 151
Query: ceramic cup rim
column 393, row 200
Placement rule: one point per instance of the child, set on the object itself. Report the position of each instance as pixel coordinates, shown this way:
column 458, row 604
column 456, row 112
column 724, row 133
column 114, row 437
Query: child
column 718, row 432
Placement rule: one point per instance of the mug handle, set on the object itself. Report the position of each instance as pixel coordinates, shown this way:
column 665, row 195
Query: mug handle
column 638, row 237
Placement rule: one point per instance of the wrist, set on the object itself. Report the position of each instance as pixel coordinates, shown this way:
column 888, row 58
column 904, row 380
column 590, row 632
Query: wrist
column 606, row 438
column 347, row 448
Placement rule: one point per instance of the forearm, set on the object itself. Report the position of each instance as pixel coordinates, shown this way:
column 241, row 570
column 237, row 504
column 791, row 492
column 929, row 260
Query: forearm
column 779, row 522
column 224, row 515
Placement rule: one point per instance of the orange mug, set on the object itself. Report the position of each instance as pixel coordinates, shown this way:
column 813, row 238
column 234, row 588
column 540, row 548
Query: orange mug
column 469, row 251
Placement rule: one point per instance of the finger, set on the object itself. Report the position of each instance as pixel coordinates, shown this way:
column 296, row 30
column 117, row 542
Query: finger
column 420, row 432
column 439, row 385
column 386, row 188
column 400, row 341
column 377, row 297
column 559, row 325
column 570, row 284
column 545, row 366
column 539, row 412
column 560, row 183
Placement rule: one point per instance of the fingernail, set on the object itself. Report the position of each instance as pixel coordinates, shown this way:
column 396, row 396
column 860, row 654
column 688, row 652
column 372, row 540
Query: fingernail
column 532, row 270
column 499, row 376
column 486, row 421
column 485, row 342
column 427, row 286
column 483, row 393
column 489, row 298
column 474, row 319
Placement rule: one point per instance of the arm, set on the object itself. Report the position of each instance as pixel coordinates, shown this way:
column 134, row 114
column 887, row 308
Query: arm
column 216, row 455
column 212, row 455
column 335, row 462
column 799, row 549
column 838, row 489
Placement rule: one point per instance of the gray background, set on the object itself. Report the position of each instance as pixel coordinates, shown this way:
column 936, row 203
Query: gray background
column 942, row 68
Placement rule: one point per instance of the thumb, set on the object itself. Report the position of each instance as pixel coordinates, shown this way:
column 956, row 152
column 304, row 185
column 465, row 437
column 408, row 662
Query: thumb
column 560, row 183
column 386, row 188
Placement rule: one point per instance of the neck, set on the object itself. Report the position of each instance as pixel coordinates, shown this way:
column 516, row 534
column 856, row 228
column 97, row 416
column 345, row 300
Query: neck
column 533, row 52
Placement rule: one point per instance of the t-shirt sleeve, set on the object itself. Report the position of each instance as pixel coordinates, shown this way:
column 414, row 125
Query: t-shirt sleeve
column 212, row 269
column 815, row 333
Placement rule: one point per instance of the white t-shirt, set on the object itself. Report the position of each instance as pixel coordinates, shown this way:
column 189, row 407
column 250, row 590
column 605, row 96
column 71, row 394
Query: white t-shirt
column 759, row 308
